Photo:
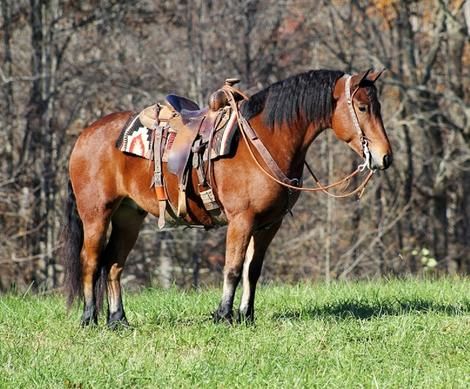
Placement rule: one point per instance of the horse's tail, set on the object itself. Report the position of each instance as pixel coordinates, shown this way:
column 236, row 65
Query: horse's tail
column 72, row 238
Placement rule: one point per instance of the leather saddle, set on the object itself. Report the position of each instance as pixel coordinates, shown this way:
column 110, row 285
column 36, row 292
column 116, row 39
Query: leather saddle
column 180, row 103
column 194, row 128
column 189, row 124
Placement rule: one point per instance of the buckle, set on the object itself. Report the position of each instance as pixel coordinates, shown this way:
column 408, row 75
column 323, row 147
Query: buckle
column 363, row 166
column 295, row 182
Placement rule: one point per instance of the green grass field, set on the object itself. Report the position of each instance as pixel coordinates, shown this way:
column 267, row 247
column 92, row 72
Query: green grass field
column 368, row 334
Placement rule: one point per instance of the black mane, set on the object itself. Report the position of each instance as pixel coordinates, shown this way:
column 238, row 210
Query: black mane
column 297, row 100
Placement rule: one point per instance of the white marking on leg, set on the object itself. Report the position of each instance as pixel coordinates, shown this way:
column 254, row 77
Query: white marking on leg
column 114, row 288
column 250, row 252
column 228, row 289
column 113, row 300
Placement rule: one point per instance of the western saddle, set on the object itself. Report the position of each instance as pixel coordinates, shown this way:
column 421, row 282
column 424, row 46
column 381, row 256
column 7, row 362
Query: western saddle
column 183, row 138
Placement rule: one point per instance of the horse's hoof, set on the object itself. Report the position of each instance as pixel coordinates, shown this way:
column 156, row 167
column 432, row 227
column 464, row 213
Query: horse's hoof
column 89, row 316
column 222, row 317
column 115, row 325
column 245, row 318
column 89, row 322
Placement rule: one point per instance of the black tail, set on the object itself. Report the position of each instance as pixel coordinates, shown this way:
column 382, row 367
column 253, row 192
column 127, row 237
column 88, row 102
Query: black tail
column 72, row 238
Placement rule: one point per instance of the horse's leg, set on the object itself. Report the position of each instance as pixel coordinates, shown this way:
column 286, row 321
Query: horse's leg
column 255, row 253
column 238, row 235
column 93, row 241
column 125, row 222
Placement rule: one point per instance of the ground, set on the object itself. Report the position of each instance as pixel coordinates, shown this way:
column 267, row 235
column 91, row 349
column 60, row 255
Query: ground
column 388, row 333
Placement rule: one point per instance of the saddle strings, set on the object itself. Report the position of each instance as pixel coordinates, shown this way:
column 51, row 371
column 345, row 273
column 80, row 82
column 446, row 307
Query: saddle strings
column 229, row 91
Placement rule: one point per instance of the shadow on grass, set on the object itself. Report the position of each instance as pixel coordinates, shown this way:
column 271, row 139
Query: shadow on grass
column 358, row 309
column 185, row 321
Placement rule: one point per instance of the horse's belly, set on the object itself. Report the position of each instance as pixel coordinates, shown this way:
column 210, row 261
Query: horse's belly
column 137, row 184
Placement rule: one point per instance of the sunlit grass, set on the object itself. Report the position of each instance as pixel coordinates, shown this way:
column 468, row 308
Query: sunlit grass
column 374, row 334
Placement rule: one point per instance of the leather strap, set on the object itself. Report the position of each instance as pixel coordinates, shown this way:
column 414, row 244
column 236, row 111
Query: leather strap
column 355, row 121
column 157, row 157
column 158, row 176
column 255, row 141
column 182, row 208
column 352, row 111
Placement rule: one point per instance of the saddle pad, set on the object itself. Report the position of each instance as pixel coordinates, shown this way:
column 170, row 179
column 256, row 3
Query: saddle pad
column 136, row 139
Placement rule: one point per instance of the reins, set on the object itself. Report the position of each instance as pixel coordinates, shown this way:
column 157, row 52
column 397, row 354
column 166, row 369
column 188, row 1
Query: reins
column 252, row 140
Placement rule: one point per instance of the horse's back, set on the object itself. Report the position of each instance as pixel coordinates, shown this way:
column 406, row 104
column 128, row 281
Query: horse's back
column 103, row 130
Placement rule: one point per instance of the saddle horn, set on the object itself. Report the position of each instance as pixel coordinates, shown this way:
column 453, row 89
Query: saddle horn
column 231, row 81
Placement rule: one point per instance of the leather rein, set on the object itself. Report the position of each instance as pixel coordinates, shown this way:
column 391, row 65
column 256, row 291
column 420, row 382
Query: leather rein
column 251, row 139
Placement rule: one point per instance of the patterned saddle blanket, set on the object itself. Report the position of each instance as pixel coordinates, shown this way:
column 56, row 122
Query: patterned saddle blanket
column 138, row 135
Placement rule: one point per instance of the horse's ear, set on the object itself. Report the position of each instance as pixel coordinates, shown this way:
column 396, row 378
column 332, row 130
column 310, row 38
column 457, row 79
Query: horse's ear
column 375, row 74
column 359, row 78
column 364, row 75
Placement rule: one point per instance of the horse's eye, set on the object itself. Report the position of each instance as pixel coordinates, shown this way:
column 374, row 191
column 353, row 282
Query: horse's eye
column 363, row 108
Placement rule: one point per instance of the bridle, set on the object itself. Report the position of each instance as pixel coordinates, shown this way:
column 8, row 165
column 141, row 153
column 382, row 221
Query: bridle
column 355, row 121
column 251, row 139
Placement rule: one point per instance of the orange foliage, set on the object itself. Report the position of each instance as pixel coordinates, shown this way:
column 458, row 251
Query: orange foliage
column 384, row 9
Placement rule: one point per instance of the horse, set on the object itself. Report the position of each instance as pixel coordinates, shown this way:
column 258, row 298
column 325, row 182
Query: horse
column 108, row 187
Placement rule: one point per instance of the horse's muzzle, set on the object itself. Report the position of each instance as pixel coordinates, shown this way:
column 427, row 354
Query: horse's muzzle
column 382, row 162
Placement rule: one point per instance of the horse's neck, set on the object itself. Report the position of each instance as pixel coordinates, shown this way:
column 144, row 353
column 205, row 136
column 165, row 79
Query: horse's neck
column 311, row 134
column 287, row 144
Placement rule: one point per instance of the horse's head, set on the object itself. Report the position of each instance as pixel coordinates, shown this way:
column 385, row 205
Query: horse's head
column 357, row 120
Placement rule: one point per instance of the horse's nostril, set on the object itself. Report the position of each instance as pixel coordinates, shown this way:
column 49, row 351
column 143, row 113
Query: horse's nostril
column 387, row 161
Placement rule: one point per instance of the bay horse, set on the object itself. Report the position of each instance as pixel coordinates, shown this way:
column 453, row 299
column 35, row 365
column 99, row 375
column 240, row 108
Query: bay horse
column 108, row 187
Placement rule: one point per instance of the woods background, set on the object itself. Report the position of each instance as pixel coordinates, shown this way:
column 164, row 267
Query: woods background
column 63, row 64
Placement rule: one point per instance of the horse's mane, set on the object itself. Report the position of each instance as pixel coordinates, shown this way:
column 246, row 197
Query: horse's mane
column 297, row 100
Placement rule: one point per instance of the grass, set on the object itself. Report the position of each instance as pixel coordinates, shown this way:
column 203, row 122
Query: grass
column 382, row 334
